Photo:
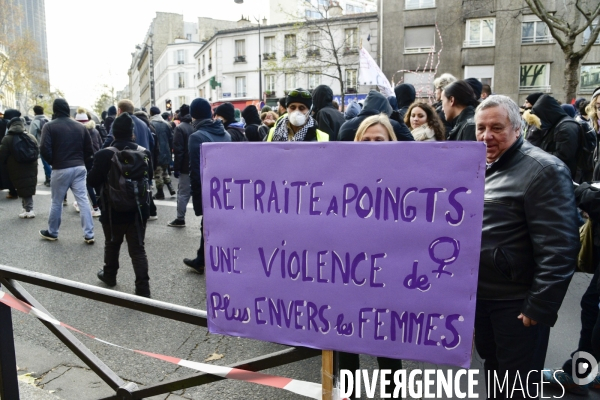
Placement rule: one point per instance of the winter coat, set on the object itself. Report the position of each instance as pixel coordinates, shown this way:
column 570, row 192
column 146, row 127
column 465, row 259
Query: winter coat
column 22, row 175
column 66, row 143
column 205, row 131
column 237, row 132
column 180, row 145
column 464, row 126
column 375, row 104
column 142, row 134
column 108, row 121
column 405, row 96
column 329, row 119
column 164, row 137
column 562, row 142
column 94, row 134
column 252, row 120
column 97, row 176
column 423, row 134
column 35, row 128
column 530, row 239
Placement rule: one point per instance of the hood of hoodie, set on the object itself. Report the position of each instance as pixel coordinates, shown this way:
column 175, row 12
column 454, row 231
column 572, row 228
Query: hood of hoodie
column 352, row 110
column 17, row 126
column 322, row 97
column 11, row 113
column 250, row 115
column 393, row 102
column 159, row 118
column 212, row 126
column 61, row 109
column 405, row 94
column 548, row 110
column 186, row 118
column 375, row 101
column 90, row 124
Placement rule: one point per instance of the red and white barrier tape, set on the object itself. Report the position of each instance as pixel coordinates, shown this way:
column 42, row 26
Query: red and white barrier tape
column 308, row 389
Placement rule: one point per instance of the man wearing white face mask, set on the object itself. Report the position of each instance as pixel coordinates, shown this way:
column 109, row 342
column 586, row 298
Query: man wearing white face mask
column 297, row 125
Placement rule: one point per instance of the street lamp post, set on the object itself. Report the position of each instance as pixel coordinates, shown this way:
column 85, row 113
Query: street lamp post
column 152, row 99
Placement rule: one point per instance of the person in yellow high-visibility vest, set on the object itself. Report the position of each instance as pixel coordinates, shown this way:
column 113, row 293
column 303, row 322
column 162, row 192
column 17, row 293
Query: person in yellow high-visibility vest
column 297, row 125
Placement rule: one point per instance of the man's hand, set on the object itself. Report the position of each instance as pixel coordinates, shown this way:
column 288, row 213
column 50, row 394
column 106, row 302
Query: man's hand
column 526, row 320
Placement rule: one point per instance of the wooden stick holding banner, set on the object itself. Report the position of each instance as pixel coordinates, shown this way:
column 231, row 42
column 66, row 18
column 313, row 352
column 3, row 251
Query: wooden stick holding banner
column 327, row 374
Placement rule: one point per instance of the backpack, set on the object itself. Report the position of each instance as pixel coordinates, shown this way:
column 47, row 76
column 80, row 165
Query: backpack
column 586, row 146
column 127, row 185
column 102, row 131
column 25, row 149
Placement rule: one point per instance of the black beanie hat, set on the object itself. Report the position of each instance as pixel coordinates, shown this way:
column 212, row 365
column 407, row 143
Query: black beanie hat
column 112, row 110
column 200, row 109
column 298, row 98
column 184, row 110
column 533, row 97
column 227, row 111
column 122, row 127
column 476, row 86
column 154, row 110
column 11, row 113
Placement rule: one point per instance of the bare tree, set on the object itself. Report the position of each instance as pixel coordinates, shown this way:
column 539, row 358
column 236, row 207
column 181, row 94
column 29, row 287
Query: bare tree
column 322, row 45
column 577, row 17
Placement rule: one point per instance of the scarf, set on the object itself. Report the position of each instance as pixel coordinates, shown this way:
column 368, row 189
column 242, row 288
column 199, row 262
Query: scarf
column 281, row 131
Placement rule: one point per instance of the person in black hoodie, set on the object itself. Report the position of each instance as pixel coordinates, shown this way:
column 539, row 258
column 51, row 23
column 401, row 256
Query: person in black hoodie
column 561, row 132
column 458, row 103
column 328, row 118
column 253, row 122
column 181, row 164
column 128, row 225
column 205, row 130
column 405, row 96
column 5, row 182
column 226, row 113
column 111, row 114
column 374, row 104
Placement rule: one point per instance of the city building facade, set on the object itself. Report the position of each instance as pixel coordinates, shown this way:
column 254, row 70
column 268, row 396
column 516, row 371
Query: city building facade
column 231, row 68
column 500, row 42
column 282, row 11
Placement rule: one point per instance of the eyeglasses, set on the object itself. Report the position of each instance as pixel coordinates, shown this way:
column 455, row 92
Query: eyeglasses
column 301, row 93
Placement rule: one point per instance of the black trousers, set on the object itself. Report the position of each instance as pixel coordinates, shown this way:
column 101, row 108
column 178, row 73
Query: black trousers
column 137, row 252
column 199, row 260
column 508, row 347
column 589, row 338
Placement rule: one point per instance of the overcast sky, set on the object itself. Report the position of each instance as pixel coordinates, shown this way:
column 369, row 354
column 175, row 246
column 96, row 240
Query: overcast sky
column 90, row 42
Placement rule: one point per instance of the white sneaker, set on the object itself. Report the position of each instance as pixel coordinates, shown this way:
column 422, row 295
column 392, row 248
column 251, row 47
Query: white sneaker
column 153, row 218
column 27, row 214
column 76, row 206
column 96, row 212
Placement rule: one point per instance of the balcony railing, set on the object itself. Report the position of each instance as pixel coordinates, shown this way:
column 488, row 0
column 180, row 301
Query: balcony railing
column 537, row 39
column 290, row 54
column 240, row 94
column 203, row 72
column 179, row 62
column 415, row 50
column 270, row 93
column 269, row 56
column 543, row 88
column 478, row 43
column 313, row 52
column 350, row 49
column 351, row 89
column 239, row 59
column 209, row 67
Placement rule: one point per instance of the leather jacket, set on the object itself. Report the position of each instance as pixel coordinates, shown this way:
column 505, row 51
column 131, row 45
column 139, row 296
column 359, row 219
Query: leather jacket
column 464, row 126
column 530, row 238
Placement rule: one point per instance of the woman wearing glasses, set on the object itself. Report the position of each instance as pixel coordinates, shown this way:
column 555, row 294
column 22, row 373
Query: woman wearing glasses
column 297, row 125
column 593, row 110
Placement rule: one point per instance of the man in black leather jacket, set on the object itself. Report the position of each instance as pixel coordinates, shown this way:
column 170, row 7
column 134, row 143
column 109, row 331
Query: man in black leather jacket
column 529, row 248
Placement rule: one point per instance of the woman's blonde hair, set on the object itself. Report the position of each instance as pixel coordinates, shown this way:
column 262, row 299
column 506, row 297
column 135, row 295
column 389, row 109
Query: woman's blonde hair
column 381, row 119
column 592, row 114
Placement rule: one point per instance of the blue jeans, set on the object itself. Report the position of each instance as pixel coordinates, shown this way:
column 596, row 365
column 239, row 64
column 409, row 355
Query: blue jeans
column 63, row 179
column 47, row 168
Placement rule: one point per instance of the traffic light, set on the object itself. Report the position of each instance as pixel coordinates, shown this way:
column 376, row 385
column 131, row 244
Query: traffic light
column 168, row 104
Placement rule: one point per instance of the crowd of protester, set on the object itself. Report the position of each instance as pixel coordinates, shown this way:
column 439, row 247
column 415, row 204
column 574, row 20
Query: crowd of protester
column 541, row 159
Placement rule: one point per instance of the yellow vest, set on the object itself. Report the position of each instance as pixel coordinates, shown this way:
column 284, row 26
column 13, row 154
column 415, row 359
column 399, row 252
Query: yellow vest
column 321, row 136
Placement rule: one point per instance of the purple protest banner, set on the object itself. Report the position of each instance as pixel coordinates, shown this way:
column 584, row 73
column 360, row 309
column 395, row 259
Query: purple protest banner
column 360, row 247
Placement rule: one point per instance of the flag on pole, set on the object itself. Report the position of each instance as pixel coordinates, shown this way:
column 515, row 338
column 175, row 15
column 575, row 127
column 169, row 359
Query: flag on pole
column 369, row 73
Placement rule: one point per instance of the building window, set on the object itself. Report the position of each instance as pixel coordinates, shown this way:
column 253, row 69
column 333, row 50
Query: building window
column 422, row 81
column 351, row 39
column 201, row 93
column 311, row 14
column 270, row 85
column 290, row 81
column 588, row 32
column 535, row 77
column 480, row 32
column 240, row 50
column 180, row 56
column 290, row 45
column 269, row 48
column 483, row 73
column 188, row 37
column 240, row 86
column 181, row 80
column 589, row 78
column 314, row 80
column 535, row 31
column 416, row 4
column 313, row 42
column 181, row 100
column 419, row 39
column 351, row 84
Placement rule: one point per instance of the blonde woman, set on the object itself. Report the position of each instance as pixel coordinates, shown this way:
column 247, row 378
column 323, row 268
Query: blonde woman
column 593, row 110
column 424, row 123
column 376, row 128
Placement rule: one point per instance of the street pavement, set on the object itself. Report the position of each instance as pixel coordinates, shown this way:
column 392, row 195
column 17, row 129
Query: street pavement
column 56, row 370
